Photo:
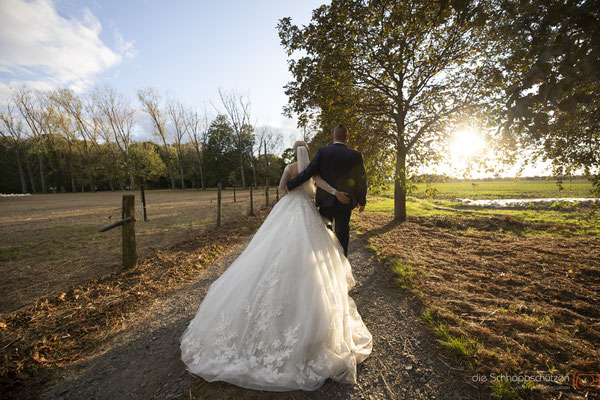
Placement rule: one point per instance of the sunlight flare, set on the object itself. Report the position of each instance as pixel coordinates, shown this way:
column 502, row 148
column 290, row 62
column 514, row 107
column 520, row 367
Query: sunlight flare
column 466, row 143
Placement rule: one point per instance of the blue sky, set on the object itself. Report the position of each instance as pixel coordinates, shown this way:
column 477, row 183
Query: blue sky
column 187, row 49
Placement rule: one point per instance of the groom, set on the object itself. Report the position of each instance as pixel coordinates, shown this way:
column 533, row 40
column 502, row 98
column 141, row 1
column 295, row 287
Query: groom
column 342, row 168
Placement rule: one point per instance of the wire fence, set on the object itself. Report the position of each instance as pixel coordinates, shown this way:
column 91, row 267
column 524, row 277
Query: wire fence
column 52, row 241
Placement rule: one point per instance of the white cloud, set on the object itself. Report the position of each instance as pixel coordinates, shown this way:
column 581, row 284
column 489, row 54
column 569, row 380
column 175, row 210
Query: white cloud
column 41, row 48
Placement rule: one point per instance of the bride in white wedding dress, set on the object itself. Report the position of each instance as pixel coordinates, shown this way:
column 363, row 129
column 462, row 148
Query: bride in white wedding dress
column 280, row 318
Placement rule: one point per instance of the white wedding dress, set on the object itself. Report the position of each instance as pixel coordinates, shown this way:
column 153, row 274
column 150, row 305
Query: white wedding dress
column 280, row 318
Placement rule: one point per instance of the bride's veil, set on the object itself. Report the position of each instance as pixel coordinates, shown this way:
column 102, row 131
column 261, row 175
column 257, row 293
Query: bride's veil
column 302, row 159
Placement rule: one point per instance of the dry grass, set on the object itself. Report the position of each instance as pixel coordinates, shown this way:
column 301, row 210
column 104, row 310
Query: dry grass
column 502, row 303
column 60, row 330
column 51, row 241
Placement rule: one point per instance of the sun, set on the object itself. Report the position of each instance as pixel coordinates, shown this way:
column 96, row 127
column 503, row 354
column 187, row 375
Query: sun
column 466, row 143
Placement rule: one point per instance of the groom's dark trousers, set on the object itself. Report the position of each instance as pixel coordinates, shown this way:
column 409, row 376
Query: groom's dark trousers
column 343, row 168
column 340, row 214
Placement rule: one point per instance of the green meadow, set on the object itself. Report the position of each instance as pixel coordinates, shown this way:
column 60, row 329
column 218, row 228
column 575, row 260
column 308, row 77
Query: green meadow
column 443, row 199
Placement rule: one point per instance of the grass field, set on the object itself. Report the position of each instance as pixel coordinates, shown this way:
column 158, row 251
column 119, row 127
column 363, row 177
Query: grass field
column 51, row 241
column 577, row 220
column 505, row 189
column 510, row 292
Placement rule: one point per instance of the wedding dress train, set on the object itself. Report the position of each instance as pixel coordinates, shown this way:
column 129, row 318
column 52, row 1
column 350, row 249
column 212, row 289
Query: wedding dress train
column 280, row 318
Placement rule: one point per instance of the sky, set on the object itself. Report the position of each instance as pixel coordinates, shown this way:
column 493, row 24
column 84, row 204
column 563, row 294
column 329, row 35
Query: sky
column 185, row 49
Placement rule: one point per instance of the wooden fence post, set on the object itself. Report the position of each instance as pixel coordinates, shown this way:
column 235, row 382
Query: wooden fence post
column 128, row 232
column 251, row 202
column 219, row 205
column 234, row 199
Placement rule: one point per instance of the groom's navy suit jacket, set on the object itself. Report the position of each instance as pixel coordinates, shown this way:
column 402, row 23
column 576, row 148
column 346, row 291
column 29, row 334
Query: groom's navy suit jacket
column 341, row 167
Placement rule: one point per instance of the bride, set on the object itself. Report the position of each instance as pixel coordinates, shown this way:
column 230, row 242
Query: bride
column 280, row 318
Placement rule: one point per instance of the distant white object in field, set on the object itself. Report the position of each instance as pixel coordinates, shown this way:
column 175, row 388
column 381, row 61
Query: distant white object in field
column 14, row 194
column 517, row 203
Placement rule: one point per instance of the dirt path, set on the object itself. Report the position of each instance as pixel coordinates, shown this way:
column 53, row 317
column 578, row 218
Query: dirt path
column 144, row 363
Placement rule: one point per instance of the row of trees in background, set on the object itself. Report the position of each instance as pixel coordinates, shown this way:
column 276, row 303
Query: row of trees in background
column 61, row 141
column 402, row 75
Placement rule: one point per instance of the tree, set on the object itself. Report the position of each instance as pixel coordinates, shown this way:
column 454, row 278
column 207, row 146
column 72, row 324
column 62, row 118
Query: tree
column 197, row 129
column 177, row 113
column 30, row 105
column 108, row 155
column 269, row 140
column 150, row 99
column 237, row 109
column 551, row 80
column 146, row 163
column 401, row 71
column 288, row 156
column 220, row 153
column 118, row 115
column 13, row 131
column 76, row 124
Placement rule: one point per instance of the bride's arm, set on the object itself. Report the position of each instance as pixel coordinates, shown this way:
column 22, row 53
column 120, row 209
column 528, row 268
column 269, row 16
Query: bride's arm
column 283, row 182
column 341, row 196
column 324, row 185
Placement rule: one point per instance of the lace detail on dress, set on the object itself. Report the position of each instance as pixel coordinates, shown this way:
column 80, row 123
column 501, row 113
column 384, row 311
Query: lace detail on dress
column 255, row 351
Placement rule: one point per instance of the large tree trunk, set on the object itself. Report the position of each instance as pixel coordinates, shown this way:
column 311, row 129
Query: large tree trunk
column 181, row 170
column 119, row 175
column 171, row 176
column 91, row 181
column 73, row 186
column 400, row 186
column 253, row 165
column 28, row 164
column 21, row 171
column 201, row 175
column 266, row 166
column 42, row 172
column 242, row 168
column 131, row 180
column 169, row 166
column 200, row 167
column 110, row 182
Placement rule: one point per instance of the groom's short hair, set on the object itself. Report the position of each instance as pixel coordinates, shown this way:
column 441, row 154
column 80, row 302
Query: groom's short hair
column 340, row 133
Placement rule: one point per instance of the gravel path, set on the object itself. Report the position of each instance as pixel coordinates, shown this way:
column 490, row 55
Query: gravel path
column 143, row 362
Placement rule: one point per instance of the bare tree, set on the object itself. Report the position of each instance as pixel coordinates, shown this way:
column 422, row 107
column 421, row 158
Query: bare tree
column 150, row 99
column 255, row 149
column 13, row 129
column 197, row 129
column 103, row 133
column 28, row 103
column 67, row 128
column 76, row 125
column 269, row 139
column 177, row 113
column 238, row 113
column 118, row 114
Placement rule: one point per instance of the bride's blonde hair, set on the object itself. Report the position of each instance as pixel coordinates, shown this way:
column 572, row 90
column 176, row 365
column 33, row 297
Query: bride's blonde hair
column 298, row 144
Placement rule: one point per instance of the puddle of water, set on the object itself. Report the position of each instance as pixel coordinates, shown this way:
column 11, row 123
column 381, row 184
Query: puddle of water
column 518, row 203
